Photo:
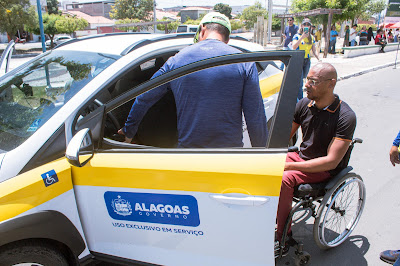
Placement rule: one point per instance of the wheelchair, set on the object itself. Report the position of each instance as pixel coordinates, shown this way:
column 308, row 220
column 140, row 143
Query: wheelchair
column 340, row 203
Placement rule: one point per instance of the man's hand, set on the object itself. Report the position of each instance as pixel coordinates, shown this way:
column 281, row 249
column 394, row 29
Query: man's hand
column 394, row 155
column 127, row 140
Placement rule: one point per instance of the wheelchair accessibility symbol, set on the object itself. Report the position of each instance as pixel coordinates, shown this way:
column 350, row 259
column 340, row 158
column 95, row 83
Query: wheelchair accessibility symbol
column 50, row 178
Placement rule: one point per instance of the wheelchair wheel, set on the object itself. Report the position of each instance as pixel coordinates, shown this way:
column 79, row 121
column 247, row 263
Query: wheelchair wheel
column 339, row 211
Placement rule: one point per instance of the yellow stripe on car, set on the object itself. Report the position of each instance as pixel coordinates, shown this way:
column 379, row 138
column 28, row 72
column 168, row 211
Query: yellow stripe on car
column 212, row 173
column 26, row 191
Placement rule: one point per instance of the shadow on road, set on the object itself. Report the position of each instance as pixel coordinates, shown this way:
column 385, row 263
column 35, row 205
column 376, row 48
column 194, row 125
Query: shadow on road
column 350, row 253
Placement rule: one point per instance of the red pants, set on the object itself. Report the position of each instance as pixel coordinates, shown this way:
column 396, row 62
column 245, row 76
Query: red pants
column 291, row 179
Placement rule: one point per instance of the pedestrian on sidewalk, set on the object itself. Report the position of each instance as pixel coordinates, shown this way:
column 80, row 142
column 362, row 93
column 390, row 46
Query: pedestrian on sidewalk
column 380, row 40
column 393, row 256
column 363, row 36
column 303, row 40
column 353, row 35
column 332, row 41
column 346, row 36
column 289, row 32
column 370, row 35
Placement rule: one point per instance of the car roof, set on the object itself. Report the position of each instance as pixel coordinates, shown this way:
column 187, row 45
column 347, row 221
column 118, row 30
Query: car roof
column 121, row 43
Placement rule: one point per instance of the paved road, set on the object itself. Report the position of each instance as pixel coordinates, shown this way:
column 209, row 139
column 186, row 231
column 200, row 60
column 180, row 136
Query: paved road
column 375, row 98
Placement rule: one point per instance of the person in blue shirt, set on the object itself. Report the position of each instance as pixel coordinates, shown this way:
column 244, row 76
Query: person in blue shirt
column 209, row 103
column 332, row 41
column 394, row 151
column 289, row 32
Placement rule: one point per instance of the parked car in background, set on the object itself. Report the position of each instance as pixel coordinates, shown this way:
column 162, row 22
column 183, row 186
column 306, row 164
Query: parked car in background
column 186, row 28
column 57, row 40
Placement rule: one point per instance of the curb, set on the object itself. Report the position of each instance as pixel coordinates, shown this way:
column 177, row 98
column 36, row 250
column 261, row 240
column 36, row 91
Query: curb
column 365, row 71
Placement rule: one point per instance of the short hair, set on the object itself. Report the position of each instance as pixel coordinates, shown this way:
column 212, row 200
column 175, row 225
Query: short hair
column 355, row 25
column 222, row 30
column 291, row 18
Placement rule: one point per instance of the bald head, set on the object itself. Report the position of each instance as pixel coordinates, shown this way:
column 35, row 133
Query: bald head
column 325, row 71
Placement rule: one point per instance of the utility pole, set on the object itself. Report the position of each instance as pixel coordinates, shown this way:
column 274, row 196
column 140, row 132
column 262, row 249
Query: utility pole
column 39, row 8
column 269, row 20
column 154, row 16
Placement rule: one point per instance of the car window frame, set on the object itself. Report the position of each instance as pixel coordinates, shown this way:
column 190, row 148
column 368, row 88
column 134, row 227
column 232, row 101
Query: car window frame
column 283, row 116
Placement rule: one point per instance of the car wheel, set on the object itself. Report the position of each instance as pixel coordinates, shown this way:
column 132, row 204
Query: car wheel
column 31, row 253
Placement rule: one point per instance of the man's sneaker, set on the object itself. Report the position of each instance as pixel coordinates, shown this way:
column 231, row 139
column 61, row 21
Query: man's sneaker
column 390, row 256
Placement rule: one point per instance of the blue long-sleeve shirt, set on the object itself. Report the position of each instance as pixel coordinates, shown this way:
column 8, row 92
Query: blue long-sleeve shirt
column 396, row 141
column 210, row 102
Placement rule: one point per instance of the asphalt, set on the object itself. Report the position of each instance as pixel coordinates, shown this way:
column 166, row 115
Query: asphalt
column 346, row 67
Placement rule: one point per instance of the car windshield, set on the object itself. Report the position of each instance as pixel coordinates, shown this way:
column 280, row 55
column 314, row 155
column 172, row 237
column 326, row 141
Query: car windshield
column 31, row 95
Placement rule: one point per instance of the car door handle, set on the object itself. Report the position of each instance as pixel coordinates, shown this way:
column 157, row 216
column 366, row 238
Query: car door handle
column 240, row 200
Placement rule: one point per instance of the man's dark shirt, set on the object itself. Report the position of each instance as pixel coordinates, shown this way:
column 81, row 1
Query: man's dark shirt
column 319, row 127
column 289, row 33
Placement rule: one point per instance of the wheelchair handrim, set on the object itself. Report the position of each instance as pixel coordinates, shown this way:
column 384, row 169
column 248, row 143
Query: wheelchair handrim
column 353, row 221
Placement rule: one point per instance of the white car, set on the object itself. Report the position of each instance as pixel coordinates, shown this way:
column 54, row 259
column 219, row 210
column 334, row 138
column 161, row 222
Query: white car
column 148, row 201
column 57, row 40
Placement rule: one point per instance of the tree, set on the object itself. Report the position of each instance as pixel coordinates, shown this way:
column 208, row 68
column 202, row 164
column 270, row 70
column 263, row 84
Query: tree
column 14, row 15
column 376, row 7
column 52, row 7
column 127, row 21
column 67, row 24
column 170, row 26
column 250, row 14
column 49, row 26
column 224, row 9
column 133, row 9
column 350, row 9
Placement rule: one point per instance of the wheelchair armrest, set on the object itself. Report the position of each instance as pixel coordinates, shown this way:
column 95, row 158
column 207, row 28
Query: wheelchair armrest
column 293, row 149
column 336, row 178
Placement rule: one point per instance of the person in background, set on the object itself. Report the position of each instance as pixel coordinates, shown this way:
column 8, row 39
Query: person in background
column 353, row 35
column 363, row 36
column 370, row 35
column 332, row 41
column 390, row 37
column 393, row 256
column 318, row 35
column 396, row 35
column 380, row 40
column 303, row 40
column 289, row 32
column 346, row 36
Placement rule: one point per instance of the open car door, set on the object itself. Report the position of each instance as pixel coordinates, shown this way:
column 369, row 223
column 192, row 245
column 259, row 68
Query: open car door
column 185, row 206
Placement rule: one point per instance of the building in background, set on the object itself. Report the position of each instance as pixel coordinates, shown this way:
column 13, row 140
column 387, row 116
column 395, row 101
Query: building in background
column 194, row 12
column 90, row 7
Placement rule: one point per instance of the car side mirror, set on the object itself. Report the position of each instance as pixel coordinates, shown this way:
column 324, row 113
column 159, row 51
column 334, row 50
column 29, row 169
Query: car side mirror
column 80, row 149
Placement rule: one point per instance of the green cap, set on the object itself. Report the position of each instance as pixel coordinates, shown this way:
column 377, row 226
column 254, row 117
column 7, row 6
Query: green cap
column 213, row 17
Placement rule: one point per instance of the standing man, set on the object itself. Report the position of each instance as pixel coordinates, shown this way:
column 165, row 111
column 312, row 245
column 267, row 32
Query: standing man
column 289, row 32
column 327, row 124
column 346, row 36
column 332, row 41
column 209, row 103
column 353, row 35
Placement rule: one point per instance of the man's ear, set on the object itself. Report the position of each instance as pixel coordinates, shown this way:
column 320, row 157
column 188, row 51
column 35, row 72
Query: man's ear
column 203, row 32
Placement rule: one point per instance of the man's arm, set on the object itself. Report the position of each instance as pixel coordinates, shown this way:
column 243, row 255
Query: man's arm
column 336, row 151
column 253, row 109
column 295, row 126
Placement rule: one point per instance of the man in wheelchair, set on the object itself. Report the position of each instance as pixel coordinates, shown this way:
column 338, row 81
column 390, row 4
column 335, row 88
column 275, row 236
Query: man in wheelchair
column 327, row 124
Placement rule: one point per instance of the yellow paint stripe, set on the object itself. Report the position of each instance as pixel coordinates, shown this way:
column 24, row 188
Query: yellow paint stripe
column 26, row 191
column 253, row 174
column 271, row 85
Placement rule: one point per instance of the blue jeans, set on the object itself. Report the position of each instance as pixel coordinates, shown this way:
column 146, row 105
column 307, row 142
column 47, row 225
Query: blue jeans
column 332, row 46
column 283, row 65
column 353, row 42
column 397, row 263
column 306, row 68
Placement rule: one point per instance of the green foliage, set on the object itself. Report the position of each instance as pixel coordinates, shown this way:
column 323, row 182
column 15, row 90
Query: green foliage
column 192, row 22
column 276, row 23
column 132, row 9
column 170, row 26
column 14, row 15
column 127, row 21
column 224, row 9
column 52, row 7
column 236, row 24
column 250, row 14
column 69, row 25
column 376, row 7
